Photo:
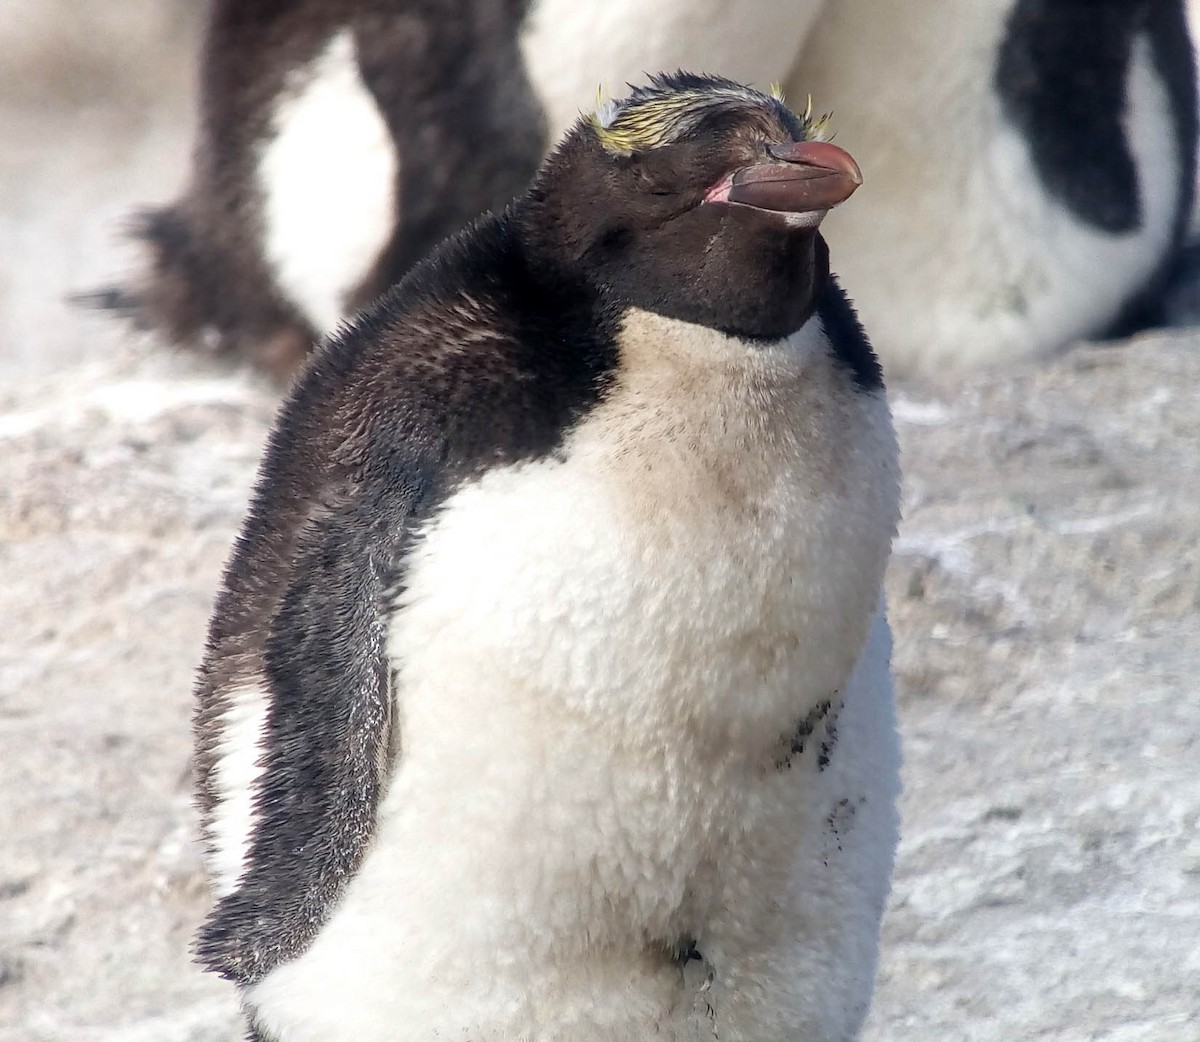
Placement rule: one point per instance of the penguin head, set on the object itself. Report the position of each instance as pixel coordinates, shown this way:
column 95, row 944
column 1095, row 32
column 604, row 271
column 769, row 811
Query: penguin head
column 696, row 198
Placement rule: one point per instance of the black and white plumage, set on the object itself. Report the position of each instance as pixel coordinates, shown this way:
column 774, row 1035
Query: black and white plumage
column 547, row 693
column 337, row 143
column 1064, row 135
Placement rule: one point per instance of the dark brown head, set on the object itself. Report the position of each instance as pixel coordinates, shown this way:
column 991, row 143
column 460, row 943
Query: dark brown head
column 696, row 198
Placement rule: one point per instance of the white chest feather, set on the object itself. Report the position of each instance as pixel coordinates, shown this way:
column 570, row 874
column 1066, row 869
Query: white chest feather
column 721, row 502
column 328, row 182
column 598, row 657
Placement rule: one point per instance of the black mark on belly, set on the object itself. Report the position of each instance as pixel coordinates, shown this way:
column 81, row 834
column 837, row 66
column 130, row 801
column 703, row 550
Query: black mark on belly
column 841, row 820
column 822, row 716
column 256, row 1034
column 830, row 739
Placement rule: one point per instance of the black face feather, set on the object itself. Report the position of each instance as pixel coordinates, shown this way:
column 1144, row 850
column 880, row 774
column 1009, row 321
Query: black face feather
column 849, row 340
column 639, row 225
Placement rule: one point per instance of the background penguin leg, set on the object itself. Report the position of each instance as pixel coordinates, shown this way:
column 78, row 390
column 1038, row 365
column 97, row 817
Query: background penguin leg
column 206, row 282
column 451, row 85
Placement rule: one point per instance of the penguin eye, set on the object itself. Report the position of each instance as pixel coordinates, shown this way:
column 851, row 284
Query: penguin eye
column 655, row 181
column 658, row 171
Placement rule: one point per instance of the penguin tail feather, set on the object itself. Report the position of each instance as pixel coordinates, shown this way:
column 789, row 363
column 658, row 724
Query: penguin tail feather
column 190, row 294
column 164, row 297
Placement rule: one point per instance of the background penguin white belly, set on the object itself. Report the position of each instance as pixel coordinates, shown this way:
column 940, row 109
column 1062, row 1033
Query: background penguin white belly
column 573, row 47
column 327, row 178
column 338, row 142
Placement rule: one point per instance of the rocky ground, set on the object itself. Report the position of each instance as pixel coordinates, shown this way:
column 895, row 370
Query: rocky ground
column 1045, row 593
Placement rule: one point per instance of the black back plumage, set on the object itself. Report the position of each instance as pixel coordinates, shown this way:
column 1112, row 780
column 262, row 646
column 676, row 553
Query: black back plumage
column 1062, row 74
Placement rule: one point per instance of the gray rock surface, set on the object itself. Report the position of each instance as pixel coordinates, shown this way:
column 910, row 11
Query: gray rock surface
column 1045, row 594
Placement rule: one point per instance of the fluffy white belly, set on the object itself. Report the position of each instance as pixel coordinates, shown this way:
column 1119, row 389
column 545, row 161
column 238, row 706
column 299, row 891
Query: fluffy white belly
column 526, row 883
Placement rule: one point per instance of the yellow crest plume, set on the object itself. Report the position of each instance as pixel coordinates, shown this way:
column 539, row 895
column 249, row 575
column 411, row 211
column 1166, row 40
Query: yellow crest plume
column 671, row 106
column 648, row 121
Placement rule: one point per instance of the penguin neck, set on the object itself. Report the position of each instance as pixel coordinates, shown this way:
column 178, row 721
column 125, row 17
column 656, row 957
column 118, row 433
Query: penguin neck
column 741, row 274
column 755, row 288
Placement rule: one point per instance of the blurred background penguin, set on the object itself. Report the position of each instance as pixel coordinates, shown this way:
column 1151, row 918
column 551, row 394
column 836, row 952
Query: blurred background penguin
column 1029, row 164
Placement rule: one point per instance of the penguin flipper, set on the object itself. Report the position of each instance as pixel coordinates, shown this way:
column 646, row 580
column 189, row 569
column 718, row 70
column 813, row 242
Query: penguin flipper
column 294, row 699
column 326, row 741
